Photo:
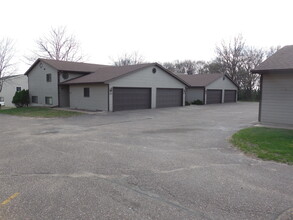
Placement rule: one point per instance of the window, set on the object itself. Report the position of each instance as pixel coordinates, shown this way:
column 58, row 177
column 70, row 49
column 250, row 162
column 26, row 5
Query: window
column 1, row 99
column 49, row 77
column 18, row 89
column 86, row 92
column 49, row 100
column 34, row 99
column 65, row 75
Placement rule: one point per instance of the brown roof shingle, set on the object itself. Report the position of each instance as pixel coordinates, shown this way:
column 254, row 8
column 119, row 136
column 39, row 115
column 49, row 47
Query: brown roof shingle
column 281, row 60
column 96, row 73
column 68, row 66
column 107, row 73
column 200, row 80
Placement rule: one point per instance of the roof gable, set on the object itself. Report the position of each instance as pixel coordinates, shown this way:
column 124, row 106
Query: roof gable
column 281, row 60
column 203, row 80
column 97, row 73
column 109, row 73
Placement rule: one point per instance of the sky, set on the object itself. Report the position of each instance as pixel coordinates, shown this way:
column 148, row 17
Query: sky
column 159, row 30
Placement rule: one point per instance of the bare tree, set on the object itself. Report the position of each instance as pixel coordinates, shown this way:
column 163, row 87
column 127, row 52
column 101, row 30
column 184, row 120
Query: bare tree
column 128, row 59
column 253, row 57
column 7, row 53
column 231, row 57
column 57, row 45
column 272, row 50
column 189, row 67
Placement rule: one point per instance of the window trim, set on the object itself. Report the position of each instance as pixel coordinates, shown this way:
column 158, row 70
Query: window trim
column 86, row 92
column 48, row 98
column 49, row 77
column 35, row 101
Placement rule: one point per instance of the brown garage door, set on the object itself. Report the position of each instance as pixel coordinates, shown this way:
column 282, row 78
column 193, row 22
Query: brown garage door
column 169, row 97
column 131, row 98
column 214, row 96
column 230, row 96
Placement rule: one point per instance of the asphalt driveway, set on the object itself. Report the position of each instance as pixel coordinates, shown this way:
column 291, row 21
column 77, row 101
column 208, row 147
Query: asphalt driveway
column 173, row 163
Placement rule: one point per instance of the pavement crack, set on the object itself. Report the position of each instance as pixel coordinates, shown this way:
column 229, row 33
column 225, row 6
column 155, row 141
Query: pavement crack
column 115, row 179
column 198, row 167
column 73, row 175
column 147, row 194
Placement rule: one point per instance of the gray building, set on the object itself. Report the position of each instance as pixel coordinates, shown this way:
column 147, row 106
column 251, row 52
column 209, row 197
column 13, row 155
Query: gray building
column 276, row 105
column 9, row 85
column 210, row 88
column 101, row 87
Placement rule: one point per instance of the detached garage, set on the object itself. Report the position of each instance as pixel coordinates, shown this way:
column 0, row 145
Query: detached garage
column 276, row 84
column 210, row 88
column 141, row 86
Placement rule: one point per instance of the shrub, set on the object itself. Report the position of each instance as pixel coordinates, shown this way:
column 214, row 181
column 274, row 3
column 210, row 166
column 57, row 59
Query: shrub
column 187, row 103
column 197, row 102
column 21, row 98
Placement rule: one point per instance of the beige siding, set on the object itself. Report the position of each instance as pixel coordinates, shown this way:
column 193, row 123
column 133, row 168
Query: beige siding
column 38, row 86
column 222, row 84
column 9, row 88
column 193, row 94
column 277, row 99
column 98, row 99
column 145, row 78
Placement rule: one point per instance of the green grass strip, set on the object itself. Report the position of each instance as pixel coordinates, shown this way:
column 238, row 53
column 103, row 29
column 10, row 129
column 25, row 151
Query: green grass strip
column 266, row 143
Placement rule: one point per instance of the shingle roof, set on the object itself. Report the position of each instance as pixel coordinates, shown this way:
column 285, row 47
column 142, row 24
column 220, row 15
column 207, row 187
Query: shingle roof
column 107, row 73
column 96, row 73
column 68, row 66
column 281, row 60
column 200, row 80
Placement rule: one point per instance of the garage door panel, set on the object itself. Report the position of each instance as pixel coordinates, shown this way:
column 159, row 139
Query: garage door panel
column 214, row 96
column 131, row 98
column 230, row 96
column 169, row 97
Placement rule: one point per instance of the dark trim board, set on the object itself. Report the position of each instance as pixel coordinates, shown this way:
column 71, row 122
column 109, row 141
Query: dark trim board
column 58, row 85
column 260, row 101
column 204, row 96
column 108, row 87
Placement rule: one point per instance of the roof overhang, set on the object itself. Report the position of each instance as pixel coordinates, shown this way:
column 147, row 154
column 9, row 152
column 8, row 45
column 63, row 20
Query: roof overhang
column 266, row 71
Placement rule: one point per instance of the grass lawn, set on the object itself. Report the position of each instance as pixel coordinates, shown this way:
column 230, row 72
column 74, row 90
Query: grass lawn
column 266, row 143
column 38, row 112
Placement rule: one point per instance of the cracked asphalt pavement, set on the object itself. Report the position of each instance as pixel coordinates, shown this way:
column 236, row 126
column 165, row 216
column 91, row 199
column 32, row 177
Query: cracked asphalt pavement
column 173, row 163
